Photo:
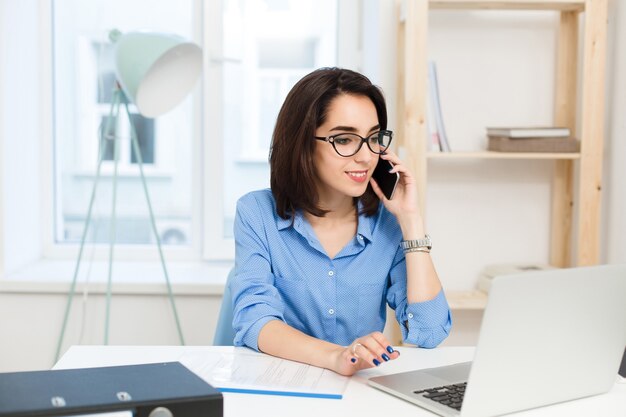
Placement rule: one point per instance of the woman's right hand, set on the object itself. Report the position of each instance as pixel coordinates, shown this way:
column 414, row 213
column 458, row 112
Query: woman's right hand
column 365, row 352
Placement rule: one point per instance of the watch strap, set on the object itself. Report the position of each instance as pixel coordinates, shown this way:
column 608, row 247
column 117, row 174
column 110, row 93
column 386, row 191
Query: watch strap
column 417, row 243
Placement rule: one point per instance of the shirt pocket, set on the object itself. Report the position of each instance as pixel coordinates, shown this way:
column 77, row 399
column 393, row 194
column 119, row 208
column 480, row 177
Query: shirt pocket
column 371, row 309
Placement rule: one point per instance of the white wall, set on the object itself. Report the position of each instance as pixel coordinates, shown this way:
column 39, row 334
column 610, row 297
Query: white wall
column 20, row 132
column 30, row 323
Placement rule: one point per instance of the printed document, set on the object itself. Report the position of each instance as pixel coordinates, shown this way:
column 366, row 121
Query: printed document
column 247, row 371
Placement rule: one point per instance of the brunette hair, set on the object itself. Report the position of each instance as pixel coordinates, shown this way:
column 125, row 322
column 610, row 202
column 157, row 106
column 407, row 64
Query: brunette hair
column 292, row 170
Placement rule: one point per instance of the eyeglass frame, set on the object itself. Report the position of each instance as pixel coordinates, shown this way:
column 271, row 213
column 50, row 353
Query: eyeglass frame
column 331, row 139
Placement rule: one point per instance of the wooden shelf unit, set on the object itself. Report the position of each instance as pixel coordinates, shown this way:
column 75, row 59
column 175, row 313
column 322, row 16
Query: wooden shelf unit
column 561, row 5
column 467, row 300
column 501, row 155
column 412, row 131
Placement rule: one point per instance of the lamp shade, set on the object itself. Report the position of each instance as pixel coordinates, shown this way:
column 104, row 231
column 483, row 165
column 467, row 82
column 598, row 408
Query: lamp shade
column 155, row 70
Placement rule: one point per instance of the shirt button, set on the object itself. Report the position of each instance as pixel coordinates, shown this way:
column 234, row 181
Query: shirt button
column 360, row 237
column 410, row 315
column 331, row 311
column 331, row 273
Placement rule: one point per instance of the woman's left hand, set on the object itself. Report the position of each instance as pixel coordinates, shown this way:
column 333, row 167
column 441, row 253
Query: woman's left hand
column 405, row 200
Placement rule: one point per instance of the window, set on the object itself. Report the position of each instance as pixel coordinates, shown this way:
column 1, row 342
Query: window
column 203, row 155
column 82, row 91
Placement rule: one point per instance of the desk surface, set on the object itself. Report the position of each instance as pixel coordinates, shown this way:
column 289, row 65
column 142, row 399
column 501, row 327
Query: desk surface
column 359, row 398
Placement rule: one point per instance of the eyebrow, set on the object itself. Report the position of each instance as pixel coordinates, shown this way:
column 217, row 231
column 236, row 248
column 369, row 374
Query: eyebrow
column 352, row 129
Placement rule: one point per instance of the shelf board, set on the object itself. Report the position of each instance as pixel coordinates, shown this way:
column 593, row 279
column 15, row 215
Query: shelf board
column 502, row 155
column 561, row 5
column 467, row 300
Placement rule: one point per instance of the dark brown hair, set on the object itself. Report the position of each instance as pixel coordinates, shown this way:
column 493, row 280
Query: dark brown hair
column 292, row 169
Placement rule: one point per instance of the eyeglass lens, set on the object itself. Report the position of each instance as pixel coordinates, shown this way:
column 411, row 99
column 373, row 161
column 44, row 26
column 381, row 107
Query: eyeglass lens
column 348, row 144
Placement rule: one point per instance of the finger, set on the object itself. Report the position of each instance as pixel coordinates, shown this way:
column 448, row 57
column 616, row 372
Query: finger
column 384, row 347
column 383, row 341
column 366, row 357
column 377, row 349
column 398, row 166
column 352, row 359
column 390, row 156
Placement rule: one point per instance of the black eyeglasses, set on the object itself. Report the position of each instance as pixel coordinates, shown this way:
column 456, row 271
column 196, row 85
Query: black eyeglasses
column 348, row 144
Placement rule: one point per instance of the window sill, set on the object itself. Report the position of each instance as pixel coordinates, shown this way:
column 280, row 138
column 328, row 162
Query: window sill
column 124, row 173
column 253, row 159
column 144, row 278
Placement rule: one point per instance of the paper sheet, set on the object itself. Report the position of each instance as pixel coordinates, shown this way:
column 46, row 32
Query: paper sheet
column 251, row 372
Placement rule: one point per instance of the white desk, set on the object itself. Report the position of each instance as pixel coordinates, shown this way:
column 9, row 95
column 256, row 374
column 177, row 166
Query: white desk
column 359, row 398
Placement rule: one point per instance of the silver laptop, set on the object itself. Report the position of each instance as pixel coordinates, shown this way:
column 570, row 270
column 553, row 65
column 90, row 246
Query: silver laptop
column 546, row 337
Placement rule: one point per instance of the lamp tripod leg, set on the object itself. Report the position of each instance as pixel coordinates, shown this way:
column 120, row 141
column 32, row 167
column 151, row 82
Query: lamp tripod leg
column 112, row 237
column 137, row 152
column 114, row 109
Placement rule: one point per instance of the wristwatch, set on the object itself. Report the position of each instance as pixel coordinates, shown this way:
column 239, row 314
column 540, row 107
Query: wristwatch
column 417, row 243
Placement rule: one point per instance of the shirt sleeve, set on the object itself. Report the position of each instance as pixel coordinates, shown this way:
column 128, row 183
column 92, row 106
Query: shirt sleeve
column 425, row 324
column 255, row 298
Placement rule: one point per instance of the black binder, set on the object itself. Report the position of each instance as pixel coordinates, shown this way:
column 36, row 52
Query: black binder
column 137, row 388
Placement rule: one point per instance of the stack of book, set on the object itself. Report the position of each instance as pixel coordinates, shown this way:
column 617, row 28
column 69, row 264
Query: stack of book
column 531, row 139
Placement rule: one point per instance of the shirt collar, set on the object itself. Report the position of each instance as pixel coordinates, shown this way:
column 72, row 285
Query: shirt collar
column 365, row 227
column 297, row 222
column 283, row 223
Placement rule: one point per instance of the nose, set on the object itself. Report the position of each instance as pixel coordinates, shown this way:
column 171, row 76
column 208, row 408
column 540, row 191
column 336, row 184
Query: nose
column 364, row 154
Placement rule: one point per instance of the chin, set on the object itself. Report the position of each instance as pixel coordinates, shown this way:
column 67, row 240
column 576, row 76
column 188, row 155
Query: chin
column 357, row 192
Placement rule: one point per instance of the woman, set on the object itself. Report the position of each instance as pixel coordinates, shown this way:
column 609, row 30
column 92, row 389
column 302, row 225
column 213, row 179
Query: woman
column 320, row 255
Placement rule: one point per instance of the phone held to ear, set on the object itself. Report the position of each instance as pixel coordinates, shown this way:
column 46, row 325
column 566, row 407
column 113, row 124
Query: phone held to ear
column 386, row 180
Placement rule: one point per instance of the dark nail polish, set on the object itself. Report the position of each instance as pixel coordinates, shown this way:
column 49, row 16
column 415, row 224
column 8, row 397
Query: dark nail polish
column 389, row 349
column 353, row 360
column 385, row 357
column 376, row 362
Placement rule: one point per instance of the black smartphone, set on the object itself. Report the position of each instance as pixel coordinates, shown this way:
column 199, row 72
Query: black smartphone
column 386, row 180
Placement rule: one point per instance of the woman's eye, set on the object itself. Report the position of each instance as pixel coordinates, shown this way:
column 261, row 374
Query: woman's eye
column 342, row 141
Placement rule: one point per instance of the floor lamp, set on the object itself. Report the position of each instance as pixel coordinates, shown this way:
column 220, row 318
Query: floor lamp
column 154, row 71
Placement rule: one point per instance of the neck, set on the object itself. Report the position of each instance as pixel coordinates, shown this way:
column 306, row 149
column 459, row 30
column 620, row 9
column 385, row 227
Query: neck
column 340, row 210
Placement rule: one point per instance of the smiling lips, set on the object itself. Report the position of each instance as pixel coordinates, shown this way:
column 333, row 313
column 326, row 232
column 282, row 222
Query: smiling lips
column 358, row 176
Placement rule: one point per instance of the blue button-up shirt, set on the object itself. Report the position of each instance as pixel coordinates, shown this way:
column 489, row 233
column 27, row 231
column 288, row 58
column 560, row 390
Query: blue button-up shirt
column 283, row 273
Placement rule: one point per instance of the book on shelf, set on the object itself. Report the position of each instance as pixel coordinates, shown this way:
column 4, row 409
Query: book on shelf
column 433, row 141
column 438, row 140
column 506, row 144
column 529, row 132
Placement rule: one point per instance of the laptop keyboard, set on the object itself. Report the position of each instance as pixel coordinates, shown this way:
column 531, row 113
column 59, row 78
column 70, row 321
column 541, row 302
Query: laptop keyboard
column 450, row 395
